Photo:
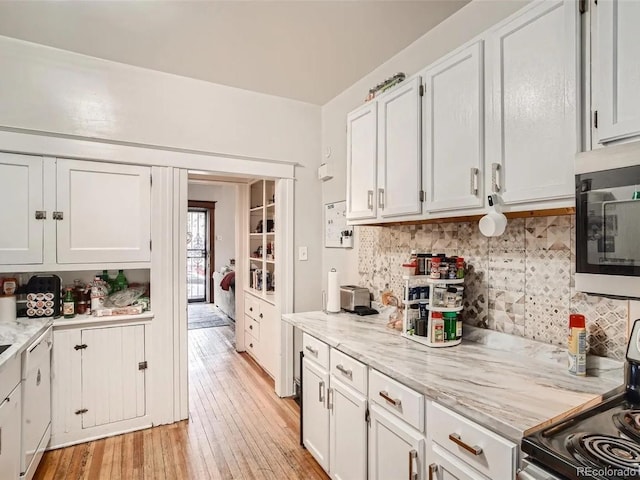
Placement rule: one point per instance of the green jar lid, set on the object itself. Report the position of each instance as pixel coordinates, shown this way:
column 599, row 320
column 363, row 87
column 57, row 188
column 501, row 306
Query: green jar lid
column 450, row 314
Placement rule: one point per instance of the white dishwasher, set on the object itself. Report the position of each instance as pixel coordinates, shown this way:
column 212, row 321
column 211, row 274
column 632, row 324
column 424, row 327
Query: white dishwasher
column 36, row 403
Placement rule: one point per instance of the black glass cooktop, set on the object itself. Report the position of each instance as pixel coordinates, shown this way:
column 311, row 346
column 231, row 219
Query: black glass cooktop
column 601, row 443
column 3, row 348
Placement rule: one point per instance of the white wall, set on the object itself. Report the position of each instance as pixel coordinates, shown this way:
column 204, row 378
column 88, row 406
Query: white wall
column 462, row 26
column 44, row 89
column 225, row 218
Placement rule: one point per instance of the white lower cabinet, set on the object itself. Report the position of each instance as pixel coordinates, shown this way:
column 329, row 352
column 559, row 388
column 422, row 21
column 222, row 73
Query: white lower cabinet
column 261, row 332
column 348, row 432
column 10, row 434
column 315, row 415
column 396, row 450
column 460, row 449
column 98, row 382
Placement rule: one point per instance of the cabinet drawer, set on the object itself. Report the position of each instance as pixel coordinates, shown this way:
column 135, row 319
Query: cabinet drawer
column 397, row 398
column 349, row 370
column 315, row 350
column 482, row 449
column 9, row 376
column 252, row 327
column 251, row 344
column 251, row 305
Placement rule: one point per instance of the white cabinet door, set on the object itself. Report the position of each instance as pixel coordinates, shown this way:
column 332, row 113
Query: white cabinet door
column 399, row 155
column 10, row 435
column 361, row 162
column 444, row 466
column 396, row 450
column 618, row 75
column 66, row 388
column 106, row 212
column 269, row 337
column 454, row 131
column 315, row 415
column 21, row 234
column 534, row 120
column 113, row 385
column 348, row 427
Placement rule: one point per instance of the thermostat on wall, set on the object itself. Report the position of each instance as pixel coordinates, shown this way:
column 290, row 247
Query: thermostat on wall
column 324, row 172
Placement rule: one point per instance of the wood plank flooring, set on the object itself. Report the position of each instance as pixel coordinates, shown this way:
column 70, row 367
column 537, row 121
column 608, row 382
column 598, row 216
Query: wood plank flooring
column 238, row 429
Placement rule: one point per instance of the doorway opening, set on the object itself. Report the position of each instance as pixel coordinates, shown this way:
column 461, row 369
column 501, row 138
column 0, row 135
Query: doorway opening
column 200, row 250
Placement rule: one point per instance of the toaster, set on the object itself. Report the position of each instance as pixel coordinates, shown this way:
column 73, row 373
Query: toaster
column 352, row 296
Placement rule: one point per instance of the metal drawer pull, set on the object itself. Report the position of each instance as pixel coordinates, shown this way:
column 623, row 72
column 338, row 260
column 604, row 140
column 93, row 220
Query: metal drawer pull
column 312, row 350
column 370, row 199
column 330, row 399
column 394, row 401
column 495, row 177
column 321, row 392
column 345, row 371
column 381, row 197
column 474, row 181
column 455, row 438
column 433, row 468
column 412, row 455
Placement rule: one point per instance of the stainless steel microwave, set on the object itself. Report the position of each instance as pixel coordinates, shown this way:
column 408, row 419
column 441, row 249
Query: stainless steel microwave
column 608, row 221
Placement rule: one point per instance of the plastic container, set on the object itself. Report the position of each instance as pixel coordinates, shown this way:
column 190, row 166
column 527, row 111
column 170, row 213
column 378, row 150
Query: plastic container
column 437, row 327
column 450, row 326
column 577, row 345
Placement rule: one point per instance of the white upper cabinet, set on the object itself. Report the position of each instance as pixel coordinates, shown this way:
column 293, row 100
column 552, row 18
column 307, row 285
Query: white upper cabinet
column 361, row 162
column 453, row 126
column 105, row 212
column 534, row 122
column 618, row 74
column 21, row 232
column 399, row 157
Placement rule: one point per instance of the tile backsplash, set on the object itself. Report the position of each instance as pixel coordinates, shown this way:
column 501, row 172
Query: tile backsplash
column 520, row 283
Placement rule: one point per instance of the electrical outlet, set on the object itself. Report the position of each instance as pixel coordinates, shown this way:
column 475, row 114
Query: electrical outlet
column 302, row 254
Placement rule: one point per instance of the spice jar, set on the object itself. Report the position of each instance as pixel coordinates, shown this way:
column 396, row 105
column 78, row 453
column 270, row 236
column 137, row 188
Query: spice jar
column 435, row 267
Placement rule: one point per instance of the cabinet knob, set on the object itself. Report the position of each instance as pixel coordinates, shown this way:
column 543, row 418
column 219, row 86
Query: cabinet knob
column 251, row 309
column 250, row 327
column 260, row 315
column 251, row 345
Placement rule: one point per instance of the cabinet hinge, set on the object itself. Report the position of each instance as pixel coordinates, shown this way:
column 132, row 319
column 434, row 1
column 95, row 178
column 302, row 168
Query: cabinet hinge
column 582, row 6
column 595, row 119
column 81, row 411
column 422, row 195
column 41, row 215
column 151, row 180
column 142, row 365
column 421, row 90
column 367, row 417
column 58, row 216
column 80, row 347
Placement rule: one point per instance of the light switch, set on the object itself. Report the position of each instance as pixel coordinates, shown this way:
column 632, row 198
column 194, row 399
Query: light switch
column 302, row 254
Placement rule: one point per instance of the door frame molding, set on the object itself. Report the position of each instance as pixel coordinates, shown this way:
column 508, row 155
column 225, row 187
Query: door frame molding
column 210, row 207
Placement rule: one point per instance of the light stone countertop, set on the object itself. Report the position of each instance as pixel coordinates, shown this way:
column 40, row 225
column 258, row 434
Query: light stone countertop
column 507, row 384
column 20, row 334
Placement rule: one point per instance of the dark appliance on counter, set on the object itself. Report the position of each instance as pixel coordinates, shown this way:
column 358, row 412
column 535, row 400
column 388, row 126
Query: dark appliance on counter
column 607, row 228
column 43, row 296
column 600, row 443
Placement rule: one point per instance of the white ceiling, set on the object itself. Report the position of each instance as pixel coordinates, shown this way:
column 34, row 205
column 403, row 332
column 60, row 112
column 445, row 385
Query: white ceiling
column 304, row 50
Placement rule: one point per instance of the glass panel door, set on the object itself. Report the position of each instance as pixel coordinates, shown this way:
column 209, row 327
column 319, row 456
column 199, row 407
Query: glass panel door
column 196, row 255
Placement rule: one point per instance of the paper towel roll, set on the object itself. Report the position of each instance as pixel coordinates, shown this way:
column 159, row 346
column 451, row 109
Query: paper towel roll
column 333, row 291
column 7, row 308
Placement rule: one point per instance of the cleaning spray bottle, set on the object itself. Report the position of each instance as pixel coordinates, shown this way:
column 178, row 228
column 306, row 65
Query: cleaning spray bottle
column 577, row 345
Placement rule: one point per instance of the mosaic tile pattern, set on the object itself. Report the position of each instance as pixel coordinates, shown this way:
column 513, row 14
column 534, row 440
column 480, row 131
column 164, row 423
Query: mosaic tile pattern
column 520, row 283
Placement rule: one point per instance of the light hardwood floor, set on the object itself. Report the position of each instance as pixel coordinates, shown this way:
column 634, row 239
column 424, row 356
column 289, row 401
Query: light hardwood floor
column 237, row 429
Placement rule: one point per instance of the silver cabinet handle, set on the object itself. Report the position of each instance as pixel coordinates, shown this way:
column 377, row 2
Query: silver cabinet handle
column 381, row 197
column 321, row 392
column 412, row 455
column 393, row 401
column 474, row 181
column 345, row 371
column 330, row 399
column 475, row 450
column 495, row 177
column 370, row 199
column 311, row 350
column 433, row 468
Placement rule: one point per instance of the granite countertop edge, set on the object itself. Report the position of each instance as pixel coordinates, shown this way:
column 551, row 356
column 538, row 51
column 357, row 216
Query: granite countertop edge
column 20, row 334
column 474, row 407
